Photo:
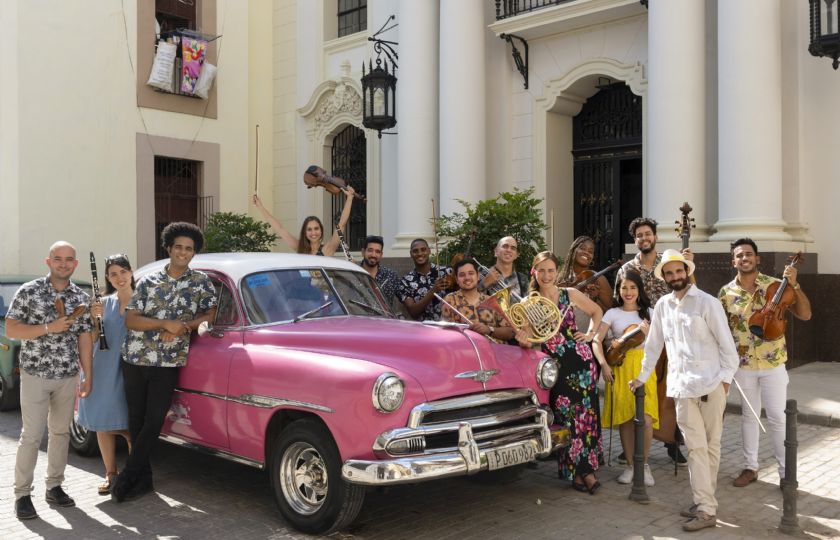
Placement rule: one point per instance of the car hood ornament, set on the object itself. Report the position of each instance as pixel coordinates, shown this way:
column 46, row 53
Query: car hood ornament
column 482, row 375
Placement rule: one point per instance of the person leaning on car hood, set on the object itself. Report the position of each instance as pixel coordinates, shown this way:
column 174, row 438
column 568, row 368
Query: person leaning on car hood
column 165, row 308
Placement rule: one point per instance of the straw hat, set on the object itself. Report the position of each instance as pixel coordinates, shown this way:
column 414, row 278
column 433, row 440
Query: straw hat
column 672, row 255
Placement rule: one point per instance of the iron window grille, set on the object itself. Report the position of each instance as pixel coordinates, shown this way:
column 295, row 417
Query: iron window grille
column 352, row 17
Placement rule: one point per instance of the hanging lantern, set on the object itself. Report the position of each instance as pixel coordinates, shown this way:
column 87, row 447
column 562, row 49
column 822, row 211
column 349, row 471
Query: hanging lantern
column 825, row 29
column 379, row 88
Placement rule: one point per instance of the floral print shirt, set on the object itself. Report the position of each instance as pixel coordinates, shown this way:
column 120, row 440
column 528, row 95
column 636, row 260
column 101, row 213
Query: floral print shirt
column 654, row 287
column 51, row 356
column 387, row 280
column 753, row 352
column 416, row 285
column 475, row 313
column 160, row 296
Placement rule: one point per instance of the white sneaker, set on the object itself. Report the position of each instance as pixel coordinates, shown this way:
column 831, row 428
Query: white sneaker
column 626, row 477
column 649, row 482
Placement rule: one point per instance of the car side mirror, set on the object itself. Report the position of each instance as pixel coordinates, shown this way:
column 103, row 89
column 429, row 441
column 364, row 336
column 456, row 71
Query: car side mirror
column 206, row 328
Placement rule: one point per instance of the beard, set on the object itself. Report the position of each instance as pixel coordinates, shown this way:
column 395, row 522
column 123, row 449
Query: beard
column 370, row 263
column 678, row 284
column 648, row 249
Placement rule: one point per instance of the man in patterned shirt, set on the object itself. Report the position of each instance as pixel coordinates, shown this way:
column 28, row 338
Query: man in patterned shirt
column 385, row 278
column 643, row 232
column 762, row 374
column 417, row 289
column 468, row 302
column 167, row 306
column 48, row 315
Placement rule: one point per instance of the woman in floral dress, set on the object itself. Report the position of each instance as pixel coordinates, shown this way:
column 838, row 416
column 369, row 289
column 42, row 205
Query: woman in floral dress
column 574, row 397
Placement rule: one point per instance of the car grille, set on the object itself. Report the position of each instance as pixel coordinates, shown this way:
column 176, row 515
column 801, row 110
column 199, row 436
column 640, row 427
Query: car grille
column 496, row 418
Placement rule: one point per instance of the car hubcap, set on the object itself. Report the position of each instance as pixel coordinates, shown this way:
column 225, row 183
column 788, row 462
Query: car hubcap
column 78, row 433
column 303, row 475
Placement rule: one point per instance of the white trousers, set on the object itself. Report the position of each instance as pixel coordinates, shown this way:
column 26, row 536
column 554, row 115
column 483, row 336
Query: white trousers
column 701, row 423
column 763, row 388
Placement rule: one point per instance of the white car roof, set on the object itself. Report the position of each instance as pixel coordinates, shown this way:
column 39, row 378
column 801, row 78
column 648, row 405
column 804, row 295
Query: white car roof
column 239, row 265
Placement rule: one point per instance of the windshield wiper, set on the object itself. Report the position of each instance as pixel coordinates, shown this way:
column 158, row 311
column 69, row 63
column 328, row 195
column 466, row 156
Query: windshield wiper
column 311, row 312
column 368, row 306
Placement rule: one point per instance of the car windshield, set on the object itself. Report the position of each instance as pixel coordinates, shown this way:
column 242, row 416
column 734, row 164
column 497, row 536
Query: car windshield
column 287, row 295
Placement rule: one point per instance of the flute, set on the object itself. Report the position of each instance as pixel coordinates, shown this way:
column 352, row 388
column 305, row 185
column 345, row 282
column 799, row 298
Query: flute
column 103, row 344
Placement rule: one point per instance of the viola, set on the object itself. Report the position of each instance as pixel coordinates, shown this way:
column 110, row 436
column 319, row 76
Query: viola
column 631, row 338
column 315, row 176
column 771, row 322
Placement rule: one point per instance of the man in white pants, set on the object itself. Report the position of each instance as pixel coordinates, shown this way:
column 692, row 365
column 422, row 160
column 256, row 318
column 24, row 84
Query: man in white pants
column 691, row 325
column 762, row 375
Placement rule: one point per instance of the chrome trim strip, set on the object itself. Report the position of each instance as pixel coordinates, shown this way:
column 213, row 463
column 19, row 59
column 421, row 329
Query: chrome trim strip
column 256, row 400
column 415, row 418
column 481, row 376
column 212, row 451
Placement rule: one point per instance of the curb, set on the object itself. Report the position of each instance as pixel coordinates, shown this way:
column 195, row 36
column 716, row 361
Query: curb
column 812, row 419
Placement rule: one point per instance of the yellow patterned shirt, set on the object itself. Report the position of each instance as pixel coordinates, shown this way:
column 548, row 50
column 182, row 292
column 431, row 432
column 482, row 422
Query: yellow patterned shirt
column 753, row 352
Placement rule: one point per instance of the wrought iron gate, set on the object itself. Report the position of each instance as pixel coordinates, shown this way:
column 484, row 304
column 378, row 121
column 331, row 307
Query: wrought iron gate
column 177, row 188
column 607, row 149
column 349, row 161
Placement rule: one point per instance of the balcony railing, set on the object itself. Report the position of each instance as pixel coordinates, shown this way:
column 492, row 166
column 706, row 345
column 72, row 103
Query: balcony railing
column 511, row 8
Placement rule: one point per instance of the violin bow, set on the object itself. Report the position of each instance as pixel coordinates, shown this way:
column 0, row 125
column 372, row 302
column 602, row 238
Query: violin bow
column 434, row 228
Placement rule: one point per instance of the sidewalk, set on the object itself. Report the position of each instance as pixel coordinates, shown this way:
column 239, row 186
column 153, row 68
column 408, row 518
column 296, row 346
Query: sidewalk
column 814, row 387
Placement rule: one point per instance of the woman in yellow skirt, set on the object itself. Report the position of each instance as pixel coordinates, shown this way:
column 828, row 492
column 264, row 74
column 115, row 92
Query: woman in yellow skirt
column 632, row 308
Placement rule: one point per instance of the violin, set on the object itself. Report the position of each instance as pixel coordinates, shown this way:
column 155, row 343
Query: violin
column 588, row 277
column 315, row 176
column 631, row 338
column 770, row 323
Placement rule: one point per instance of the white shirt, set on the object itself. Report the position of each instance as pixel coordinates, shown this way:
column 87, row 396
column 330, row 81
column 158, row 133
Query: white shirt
column 618, row 320
column 701, row 351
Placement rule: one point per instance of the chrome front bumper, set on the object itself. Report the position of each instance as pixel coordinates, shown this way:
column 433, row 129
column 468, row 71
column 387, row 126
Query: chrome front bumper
column 468, row 459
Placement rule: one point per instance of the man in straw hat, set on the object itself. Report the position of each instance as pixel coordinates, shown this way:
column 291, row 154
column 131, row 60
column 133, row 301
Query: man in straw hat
column 702, row 361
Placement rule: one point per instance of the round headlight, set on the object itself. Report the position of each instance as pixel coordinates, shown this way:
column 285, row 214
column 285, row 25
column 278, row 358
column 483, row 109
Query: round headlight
column 388, row 392
column 547, row 372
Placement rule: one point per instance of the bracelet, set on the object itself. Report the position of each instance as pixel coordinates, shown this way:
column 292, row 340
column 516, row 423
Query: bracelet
column 46, row 329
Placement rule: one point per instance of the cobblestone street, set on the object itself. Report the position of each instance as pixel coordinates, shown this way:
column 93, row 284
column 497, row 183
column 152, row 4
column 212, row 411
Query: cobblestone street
column 202, row 497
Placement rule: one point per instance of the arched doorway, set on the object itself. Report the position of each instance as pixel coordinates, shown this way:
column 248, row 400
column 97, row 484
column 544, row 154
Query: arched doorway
column 607, row 152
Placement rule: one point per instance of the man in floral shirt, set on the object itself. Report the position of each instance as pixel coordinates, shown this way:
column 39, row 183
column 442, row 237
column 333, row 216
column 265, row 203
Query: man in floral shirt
column 470, row 303
column 762, row 373
column 418, row 287
column 167, row 306
column 49, row 316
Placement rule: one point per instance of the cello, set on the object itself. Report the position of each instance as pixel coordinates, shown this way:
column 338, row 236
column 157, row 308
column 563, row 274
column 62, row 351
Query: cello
column 667, row 431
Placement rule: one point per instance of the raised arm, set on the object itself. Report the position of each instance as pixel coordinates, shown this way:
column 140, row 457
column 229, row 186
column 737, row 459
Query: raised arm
column 281, row 231
column 331, row 246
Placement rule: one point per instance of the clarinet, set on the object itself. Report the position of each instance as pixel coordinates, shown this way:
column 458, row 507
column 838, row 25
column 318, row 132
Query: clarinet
column 344, row 246
column 103, row 344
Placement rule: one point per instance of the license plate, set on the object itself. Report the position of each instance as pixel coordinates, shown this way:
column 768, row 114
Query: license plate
column 508, row 457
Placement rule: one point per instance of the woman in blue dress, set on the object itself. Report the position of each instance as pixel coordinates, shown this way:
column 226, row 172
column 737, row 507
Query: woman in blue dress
column 105, row 411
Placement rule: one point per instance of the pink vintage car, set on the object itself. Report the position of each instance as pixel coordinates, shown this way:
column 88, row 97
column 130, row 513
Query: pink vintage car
column 306, row 374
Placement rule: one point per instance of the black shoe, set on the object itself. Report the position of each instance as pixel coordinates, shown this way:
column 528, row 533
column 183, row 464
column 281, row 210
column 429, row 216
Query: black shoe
column 141, row 487
column 24, row 509
column 675, row 455
column 57, row 496
column 622, row 459
column 121, row 486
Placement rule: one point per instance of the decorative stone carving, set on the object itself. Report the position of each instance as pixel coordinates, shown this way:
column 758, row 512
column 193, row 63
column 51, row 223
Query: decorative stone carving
column 344, row 99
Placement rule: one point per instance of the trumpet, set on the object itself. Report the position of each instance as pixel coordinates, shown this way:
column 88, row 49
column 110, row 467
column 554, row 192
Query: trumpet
column 103, row 344
column 534, row 312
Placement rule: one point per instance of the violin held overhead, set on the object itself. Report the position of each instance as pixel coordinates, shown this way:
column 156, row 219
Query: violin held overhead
column 770, row 323
column 315, row 176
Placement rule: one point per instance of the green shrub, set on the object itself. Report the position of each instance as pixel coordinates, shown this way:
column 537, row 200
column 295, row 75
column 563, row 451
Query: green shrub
column 515, row 214
column 228, row 232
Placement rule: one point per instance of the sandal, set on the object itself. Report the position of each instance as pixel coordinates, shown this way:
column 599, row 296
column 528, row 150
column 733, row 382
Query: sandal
column 105, row 487
column 593, row 487
column 579, row 487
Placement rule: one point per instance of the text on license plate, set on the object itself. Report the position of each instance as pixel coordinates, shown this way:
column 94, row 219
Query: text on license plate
column 508, row 457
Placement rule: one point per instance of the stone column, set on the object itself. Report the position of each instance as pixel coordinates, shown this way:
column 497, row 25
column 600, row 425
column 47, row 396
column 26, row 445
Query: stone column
column 676, row 108
column 417, row 119
column 462, row 102
column 750, row 121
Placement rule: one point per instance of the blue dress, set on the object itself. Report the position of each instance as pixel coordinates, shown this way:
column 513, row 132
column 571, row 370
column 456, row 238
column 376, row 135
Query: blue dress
column 106, row 409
